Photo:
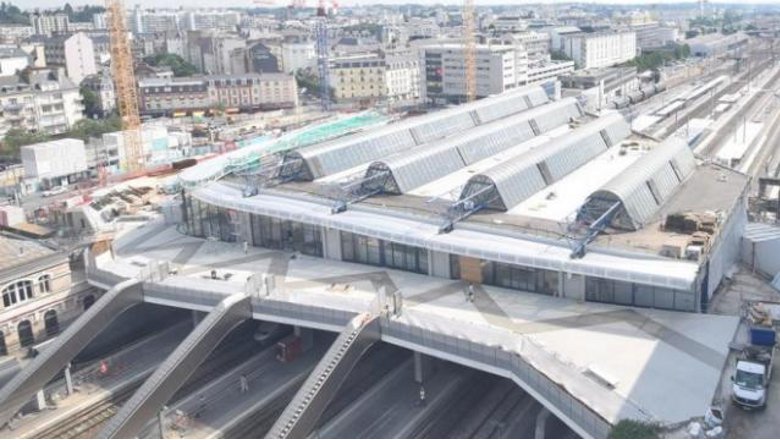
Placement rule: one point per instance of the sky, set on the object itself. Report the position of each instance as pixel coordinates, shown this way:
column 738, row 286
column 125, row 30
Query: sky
column 31, row 4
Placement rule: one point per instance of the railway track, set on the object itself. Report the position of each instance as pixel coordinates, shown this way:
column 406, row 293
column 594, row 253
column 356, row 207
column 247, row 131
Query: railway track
column 91, row 419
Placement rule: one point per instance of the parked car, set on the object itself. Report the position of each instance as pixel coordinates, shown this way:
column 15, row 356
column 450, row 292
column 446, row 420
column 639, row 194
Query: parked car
column 54, row 191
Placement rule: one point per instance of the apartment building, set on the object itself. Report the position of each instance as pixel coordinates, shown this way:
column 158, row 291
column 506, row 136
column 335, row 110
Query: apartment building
column 168, row 95
column 233, row 92
column 213, row 53
column 75, row 52
column 253, row 91
column 44, row 100
column 444, row 68
column 49, row 24
column 12, row 61
column 358, row 78
column 143, row 21
column 15, row 33
column 652, row 35
column 402, row 78
column 599, row 49
column 298, row 55
column 219, row 20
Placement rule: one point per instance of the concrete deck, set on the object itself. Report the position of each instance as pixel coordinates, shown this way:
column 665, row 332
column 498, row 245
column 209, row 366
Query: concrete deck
column 639, row 357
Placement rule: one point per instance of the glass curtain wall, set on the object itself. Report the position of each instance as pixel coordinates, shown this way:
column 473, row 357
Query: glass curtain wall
column 274, row 233
column 368, row 250
column 204, row 220
column 641, row 295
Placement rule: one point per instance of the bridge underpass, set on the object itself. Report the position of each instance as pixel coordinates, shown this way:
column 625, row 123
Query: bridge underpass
column 582, row 419
column 173, row 373
column 19, row 390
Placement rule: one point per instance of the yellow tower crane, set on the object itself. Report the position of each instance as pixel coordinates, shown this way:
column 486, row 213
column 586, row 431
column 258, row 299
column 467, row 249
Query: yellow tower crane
column 125, row 86
column 470, row 50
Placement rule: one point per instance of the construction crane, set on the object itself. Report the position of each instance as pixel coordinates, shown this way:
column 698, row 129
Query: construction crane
column 469, row 50
column 125, row 86
column 323, row 54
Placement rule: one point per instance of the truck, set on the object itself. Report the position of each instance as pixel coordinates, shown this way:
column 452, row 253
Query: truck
column 753, row 373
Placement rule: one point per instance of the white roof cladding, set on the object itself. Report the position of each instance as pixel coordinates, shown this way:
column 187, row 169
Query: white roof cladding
column 410, row 170
column 514, row 181
column 342, row 154
column 647, row 184
column 466, row 240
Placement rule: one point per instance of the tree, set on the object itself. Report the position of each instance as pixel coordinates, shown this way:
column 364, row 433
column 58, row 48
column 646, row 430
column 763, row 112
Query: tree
column 10, row 14
column 89, row 128
column 634, row 429
column 16, row 138
column 559, row 55
column 179, row 66
column 91, row 102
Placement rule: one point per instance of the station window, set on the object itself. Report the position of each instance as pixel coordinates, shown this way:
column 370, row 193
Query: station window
column 275, row 233
column 368, row 250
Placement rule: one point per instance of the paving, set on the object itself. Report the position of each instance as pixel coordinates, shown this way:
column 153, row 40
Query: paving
column 637, row 356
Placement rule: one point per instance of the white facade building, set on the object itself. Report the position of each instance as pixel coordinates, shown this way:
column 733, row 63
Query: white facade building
column 594, row 50
column 12, row 60
column 445, row 78
column 54, row 160
column 75, row 52
column 212, row 20
column 402, row 74
column 297, row 56
column 48, row 24
column 42, row 100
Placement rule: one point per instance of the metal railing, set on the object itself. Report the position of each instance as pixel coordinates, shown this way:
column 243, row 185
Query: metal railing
column 532, row 380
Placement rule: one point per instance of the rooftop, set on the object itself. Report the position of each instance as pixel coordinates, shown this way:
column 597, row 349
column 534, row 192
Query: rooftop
column 15, row 252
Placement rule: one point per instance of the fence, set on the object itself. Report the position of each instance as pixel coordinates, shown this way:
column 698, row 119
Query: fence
column 553, row 396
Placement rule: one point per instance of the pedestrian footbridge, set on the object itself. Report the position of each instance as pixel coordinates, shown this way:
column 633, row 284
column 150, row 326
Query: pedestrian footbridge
column 303, row 411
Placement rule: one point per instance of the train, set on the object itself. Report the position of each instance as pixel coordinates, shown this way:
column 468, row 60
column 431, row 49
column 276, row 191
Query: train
column 638, row 95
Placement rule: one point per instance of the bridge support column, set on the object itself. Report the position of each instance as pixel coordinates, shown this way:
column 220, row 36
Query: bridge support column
column 306, row 335
column 68, row 380
column 422, row 366
column 40, row 400
column 541, row 422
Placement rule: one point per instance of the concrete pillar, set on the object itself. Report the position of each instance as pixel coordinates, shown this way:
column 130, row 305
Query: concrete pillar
column 161, row 420
column 439, row 264
column 197, row 316
column 331, row 243
column 68, row 380
column 541, row 422
column 306, row 335
column 40, row 400
column 423, row 366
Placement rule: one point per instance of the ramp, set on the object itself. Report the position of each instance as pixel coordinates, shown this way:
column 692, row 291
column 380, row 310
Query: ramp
column 174, row 371
column 303, row 411
column 34, row 376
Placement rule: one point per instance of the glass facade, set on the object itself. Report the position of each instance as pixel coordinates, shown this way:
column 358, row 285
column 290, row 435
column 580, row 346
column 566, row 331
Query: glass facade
column 641, row 295
column 520, row 278
column 204, row 220
column 512, row 276
column 274, row 233
column 367, row 250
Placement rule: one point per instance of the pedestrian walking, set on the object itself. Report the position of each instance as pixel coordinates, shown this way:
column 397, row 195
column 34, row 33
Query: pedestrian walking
column 471, row 293
column 244, row 384
column 246, row 247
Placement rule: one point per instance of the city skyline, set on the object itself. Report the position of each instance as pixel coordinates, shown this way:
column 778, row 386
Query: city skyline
column 33, row 4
